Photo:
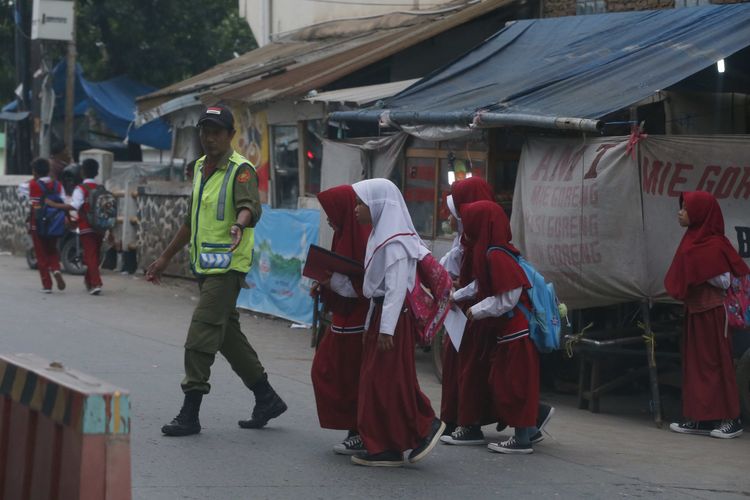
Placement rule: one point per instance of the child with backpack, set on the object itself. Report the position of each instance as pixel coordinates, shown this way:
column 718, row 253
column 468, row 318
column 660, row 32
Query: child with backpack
column 46, row 224
column 338, row 358
column 393, row 414
column 500, row 286
column 699, row 277
column 97, row 212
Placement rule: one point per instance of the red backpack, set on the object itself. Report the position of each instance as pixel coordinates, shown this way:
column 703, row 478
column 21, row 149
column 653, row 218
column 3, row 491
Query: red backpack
column 737, row 303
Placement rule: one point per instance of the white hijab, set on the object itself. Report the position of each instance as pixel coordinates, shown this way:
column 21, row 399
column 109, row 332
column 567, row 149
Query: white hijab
column 391, row 227
column 459, row 225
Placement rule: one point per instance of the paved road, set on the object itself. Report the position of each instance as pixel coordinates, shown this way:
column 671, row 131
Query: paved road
column 132, row 336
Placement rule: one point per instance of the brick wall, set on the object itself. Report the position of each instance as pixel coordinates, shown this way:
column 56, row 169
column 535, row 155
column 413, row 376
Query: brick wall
column 557, row 8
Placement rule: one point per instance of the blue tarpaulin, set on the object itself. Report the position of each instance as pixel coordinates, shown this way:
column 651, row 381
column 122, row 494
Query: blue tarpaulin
column 114, row 102
column 584, row 66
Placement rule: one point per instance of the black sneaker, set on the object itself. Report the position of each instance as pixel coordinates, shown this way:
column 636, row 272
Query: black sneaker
column 186, row 422
column 544, row 415
column 511, row 447
column 501, row 426
column 703, row 428
column 352, row 445
column 429, row 442
column 465, row 436
column 264, row 411
column 537, row 438
column 728, row 429
column 384, row 459
column 449, row 428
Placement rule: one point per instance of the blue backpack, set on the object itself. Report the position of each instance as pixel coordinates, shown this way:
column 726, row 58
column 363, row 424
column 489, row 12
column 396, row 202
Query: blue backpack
column 50, row 222
column 544, row 317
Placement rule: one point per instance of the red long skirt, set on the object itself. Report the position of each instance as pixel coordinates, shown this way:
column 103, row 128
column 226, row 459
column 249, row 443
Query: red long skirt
column 515, row 382
column 335, row 378
column 709, row 383
column 474, row 363
column 449, row 396
column 393, row 413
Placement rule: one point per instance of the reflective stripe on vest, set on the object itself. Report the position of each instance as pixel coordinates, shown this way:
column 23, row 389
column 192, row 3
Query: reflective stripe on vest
column 210, row 228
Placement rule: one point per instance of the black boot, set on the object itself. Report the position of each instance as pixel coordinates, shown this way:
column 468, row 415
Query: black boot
column 268, row 405
column 186, row 422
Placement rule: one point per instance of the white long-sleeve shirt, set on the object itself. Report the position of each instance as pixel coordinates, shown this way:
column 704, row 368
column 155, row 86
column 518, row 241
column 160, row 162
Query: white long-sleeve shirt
column 490, row 307
column 342, row 285
column 79, row 196
column 721, row 281
column 398, row 280
column 451, row 261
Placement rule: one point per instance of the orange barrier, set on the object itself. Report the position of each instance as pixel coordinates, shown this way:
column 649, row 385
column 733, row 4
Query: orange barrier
column 63, row 435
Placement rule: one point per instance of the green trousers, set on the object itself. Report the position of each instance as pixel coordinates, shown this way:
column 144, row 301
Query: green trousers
column 215, row 327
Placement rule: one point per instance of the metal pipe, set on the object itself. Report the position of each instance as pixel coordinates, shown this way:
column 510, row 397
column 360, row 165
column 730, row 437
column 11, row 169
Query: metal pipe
column 476, row 119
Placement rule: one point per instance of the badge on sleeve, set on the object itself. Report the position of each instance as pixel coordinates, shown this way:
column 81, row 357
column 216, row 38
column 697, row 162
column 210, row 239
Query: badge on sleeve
column 244, row 176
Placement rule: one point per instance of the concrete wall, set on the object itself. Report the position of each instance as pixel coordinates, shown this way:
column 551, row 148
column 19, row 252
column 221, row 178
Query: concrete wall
column 13, row 235
column 161, row 211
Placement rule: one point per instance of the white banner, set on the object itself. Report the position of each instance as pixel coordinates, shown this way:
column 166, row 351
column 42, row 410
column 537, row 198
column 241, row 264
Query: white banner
column 604, row 232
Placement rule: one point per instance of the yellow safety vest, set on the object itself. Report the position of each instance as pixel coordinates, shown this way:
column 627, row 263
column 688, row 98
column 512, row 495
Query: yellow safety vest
column 212, row 216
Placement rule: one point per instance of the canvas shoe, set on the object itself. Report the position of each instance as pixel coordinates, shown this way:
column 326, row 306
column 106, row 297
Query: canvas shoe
column 352, row 445
column 95, row 291
column 511, row 447
column 429, row 442
column 384, row 459
column 728, row 429
column 692, row 427
column 542, row 419
column 465, row 436
column 59, row 279
column 46, row 290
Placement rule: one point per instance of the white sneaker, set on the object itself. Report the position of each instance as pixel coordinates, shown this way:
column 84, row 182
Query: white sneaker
column 95, row 291
column 46, row 290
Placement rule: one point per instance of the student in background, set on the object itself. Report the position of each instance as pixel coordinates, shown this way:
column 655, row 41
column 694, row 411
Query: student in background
column 338, row 359
column 699, row 276
column 45, row 248
column 393, row 414
column 499, row 286
column 91, row 240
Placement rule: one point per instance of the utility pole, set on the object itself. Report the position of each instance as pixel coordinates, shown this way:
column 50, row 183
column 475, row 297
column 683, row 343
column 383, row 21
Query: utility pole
column 22, row 141
column 70, row 87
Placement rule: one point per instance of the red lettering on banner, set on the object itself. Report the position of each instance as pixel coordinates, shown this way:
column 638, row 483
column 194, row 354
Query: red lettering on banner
column 744, row 185
column 677, row 179
column 705, row 184
column 573, row 255
column 726, row 183
column 650, row 175
column 663, row 178
column 591, row 174
column 544, row 165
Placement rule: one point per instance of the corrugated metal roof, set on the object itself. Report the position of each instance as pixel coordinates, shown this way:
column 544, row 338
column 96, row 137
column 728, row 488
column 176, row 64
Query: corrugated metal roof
column 362, row 95
column 318, row 55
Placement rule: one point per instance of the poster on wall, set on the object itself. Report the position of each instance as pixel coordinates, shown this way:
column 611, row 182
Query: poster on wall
column 598, row 217
column 275, row 281
column 251, row 141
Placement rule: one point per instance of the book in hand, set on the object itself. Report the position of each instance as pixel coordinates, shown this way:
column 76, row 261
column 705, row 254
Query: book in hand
column 321, row 263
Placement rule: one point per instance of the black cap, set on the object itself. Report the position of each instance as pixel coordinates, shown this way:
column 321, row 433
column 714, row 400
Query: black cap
column 220, row 115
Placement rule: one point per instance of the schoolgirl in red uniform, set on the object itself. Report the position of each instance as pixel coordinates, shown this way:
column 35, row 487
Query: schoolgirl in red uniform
column 699, row 276
column 467, row 400
column 337, row 362
column 499, row 286
column 393, row 414
column 46, row 250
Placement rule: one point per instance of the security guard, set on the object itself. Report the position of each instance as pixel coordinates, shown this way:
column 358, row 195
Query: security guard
column 223, row 210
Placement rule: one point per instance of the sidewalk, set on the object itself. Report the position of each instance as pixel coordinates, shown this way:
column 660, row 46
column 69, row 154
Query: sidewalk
column 132, row 336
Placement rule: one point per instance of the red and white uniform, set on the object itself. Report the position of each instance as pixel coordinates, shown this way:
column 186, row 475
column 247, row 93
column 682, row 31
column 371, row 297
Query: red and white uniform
column 47, row 253
column 338, row 359
column 394, row 414
column 91, row 241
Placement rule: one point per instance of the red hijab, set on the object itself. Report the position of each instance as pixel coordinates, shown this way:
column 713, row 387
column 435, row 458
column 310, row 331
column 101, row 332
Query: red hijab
column 464, row 192
column 349, row 236
column 486, row 225
column 704, row 251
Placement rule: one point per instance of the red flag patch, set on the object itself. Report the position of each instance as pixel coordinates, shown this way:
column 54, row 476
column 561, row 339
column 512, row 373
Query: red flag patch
column 243, row 177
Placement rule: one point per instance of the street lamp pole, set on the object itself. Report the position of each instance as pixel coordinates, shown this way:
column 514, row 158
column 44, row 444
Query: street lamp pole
column 70, row 81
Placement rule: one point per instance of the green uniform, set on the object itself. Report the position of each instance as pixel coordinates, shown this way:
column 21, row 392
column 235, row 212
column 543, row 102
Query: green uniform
column 215, row 326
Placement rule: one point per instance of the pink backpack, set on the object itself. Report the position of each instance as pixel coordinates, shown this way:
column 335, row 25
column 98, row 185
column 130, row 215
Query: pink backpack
column 737, row 303
column 429, row 309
